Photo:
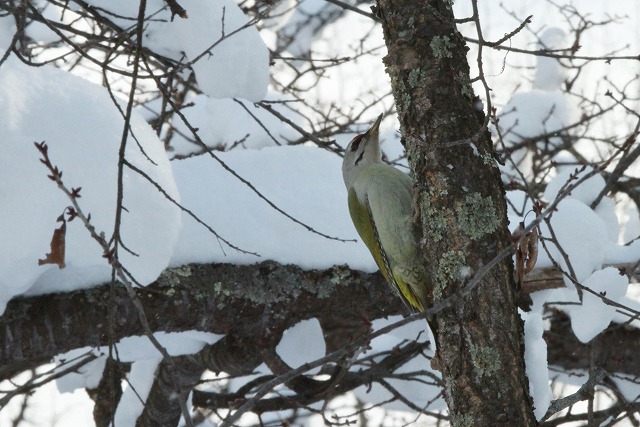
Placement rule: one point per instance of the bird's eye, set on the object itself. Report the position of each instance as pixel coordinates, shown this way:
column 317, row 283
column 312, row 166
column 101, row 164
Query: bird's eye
column 355, row 142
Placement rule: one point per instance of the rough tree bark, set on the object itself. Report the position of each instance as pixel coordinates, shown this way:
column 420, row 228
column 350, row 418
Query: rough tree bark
column 460, row 204
column 26, row 344
column 244, row 301
column 34, row 329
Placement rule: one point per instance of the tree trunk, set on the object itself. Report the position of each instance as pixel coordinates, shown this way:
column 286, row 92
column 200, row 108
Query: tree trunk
column 460, row 205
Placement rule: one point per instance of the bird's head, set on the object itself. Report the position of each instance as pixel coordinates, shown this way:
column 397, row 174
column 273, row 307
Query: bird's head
column 364, row 149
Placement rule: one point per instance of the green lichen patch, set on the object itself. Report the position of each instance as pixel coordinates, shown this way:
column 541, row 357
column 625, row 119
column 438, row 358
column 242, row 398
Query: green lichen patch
column 477, row 216
column 172, row 278
column 219, row 290
column 435, row 221
column 441, row 47
column 402, row 96
column 464, row 420
column 434, row 216
column 488, row 159
column 450, row 268
column 339, row 274
column 416, row 76
column 184, row 271
column 465, row 85
column 451, row 264
column 485, row 359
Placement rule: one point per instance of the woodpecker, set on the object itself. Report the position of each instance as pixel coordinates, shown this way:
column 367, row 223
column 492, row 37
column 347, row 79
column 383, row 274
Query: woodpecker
column 380, row 204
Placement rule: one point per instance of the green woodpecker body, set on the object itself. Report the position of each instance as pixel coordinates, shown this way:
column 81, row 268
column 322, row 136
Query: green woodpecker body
column 380, row 204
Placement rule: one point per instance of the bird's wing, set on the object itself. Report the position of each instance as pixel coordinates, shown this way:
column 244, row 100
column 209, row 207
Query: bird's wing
column 365, row 223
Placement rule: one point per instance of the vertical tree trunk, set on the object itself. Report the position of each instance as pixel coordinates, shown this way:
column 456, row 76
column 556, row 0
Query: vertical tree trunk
column 460, row 205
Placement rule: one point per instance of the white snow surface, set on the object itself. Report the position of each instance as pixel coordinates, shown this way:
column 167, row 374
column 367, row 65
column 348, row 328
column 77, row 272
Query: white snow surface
column 585, row 193
column 535, row 356
column 535, row 112
column 86, row 376
column 544, row 109
column 302, row 343
column 581, row 234
column 627, row 385
column 237, row 66
column 594, row 314
column 140, row 347
column 83, row 130
column 224, row 123
column 303, row 181
column 145, row 358
column 589, row 238
column 135, row 393
column 528, row 115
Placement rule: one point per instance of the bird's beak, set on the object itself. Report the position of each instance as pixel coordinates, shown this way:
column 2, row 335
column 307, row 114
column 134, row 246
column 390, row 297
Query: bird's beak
column 375, row 127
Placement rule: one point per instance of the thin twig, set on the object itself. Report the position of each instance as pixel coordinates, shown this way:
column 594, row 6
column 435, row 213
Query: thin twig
column 583, row 393
column 355, row 9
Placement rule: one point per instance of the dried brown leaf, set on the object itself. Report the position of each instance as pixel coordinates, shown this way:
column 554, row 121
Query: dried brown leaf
column 532, row 250
column 56, row 256
column 518, row 273
column 526, row 252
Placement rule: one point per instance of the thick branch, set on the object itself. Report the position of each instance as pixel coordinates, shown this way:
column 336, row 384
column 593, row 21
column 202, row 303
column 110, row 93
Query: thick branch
column 108, row 393
column 219, row 298
column 163, row 405
column 34, row 329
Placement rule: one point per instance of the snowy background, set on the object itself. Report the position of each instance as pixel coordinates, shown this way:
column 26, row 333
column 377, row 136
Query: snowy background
column 83, row 127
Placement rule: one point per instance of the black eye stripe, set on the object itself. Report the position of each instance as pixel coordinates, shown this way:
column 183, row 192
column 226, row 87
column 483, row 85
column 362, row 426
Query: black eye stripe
column 355, row 142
